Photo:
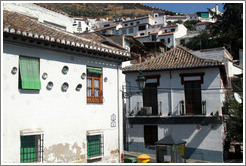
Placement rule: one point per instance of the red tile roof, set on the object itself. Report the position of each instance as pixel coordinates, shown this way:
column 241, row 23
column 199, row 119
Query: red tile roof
column 176, row 58
column 22, row 25
column 166, row 33
column 108, row 27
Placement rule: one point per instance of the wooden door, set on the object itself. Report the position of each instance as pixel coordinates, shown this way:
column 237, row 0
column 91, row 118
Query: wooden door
column 150, row 97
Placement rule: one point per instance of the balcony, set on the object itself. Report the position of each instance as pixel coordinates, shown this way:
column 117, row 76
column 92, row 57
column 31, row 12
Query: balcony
column 139, row 110
column 183, row 110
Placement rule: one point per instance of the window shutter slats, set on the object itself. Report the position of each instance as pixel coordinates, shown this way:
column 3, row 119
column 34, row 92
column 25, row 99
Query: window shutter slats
column 29, row 72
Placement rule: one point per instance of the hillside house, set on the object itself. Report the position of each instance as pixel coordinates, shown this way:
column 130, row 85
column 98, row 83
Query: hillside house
column 166, row 34
column 44, row 13
column 81, row 25
column 183, row 98
column 64, row 92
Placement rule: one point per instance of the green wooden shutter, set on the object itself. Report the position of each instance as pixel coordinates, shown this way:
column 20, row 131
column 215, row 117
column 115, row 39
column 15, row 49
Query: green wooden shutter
column 29, row 73
column 93, row 148
column 28, row 149
column 94, row 70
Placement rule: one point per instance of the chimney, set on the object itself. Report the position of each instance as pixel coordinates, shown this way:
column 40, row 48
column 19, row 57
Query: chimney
column 216, row 9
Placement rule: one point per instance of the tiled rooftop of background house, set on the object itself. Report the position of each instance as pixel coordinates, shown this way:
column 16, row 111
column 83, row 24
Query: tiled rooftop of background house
column 16, row 23
column 176, row 58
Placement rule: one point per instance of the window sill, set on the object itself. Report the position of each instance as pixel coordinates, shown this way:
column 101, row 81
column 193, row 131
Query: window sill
column 94, row 159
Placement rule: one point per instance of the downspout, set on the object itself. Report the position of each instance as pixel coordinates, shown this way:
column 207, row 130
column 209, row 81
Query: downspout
column 119, row 115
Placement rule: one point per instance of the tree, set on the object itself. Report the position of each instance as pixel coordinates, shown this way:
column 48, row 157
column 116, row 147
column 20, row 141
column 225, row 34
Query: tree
column 203, row 41
column 236, row 114
column 228, row 29
column 190, row 24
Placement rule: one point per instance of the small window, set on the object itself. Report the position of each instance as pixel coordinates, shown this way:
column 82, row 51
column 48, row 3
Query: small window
column 141, row 34
column 126, row 24
column 31, row 148
column 150, row 135
column 107, row 25
column 172, row 30
column 94, row 85
column 29, row 74
column 131, row 23
column 79, row 25
column 123, row 31
column 141, row 28
column 138, row 22
column 95, row 146
column 153, row 37
column 165, row 31
column 168, row 40
column 131, row 30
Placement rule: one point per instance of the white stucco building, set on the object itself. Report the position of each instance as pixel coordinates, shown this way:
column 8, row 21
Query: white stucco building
column 61, row 94
column 166, row 34
column 183, row 98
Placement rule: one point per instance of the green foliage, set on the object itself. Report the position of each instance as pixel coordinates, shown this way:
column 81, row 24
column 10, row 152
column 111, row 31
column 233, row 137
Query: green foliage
column 190, row 24
column 202, row 41
column 226, row 31
column 85, row 12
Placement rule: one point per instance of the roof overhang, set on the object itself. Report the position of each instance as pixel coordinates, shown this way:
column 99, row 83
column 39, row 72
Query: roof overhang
column 79, row 49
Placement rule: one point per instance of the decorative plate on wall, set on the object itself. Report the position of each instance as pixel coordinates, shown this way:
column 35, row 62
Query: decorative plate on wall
column 65, row 70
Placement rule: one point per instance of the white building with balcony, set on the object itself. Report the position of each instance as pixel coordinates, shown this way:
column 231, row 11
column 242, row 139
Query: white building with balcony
column 183, row 98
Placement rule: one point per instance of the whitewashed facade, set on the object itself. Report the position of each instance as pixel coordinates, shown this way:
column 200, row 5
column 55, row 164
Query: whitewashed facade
column 59, row 123
column 203, row 132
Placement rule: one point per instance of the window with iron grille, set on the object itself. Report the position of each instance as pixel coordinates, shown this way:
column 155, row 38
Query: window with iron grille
column 95, row 146
column 29, row 74
column 94, row 85
column 31, row 148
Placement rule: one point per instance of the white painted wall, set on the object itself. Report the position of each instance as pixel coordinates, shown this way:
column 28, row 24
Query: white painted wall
column 181, row 31
column 171, row 90
column 170, row 93
column 65, row 117
column 40, row 13
column 206, row 138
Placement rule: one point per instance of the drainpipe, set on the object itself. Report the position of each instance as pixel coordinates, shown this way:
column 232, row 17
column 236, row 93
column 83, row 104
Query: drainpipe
column 171, row 93
column 120, row 117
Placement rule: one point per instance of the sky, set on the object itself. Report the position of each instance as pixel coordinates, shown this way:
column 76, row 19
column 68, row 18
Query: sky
column 186, row 8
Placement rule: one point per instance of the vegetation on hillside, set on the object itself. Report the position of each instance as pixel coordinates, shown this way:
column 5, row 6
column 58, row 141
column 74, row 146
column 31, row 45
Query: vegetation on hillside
column 226, row 31
column 103, row 10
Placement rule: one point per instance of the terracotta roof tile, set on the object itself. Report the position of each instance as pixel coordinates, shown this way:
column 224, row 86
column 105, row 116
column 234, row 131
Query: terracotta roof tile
column 19, row 24
column 166, row 33
column 177, row 58
column 108, row 27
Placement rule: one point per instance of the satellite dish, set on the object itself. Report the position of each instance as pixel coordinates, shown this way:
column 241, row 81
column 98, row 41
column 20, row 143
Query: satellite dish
column 238, row 98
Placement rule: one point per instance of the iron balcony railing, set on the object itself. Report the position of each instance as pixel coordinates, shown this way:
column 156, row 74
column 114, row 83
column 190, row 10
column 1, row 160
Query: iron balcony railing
column 183, row 110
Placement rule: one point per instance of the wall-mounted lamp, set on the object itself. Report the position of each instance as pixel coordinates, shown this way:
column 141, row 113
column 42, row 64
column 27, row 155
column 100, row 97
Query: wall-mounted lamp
column 14, row 70
column 79, row 86
column 83, row 75
column 49, row 85
column 141, row 81
column 44, row 76
column 105, row 79
column 65, row 70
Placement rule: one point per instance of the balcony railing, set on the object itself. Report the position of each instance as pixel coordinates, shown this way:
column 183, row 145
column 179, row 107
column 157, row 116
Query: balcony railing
column 183, row 111
column 139, row 110
column 98, row 98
